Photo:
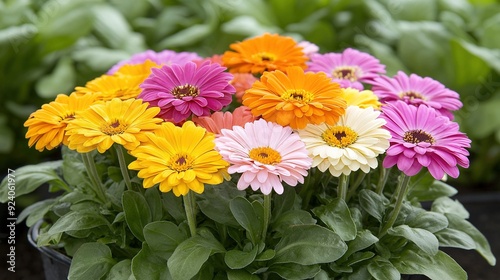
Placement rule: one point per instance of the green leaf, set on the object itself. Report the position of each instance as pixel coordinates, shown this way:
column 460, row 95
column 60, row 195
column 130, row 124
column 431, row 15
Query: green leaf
column 308, row 245
column 482, row 245
column 490, row 56
column 61, row 80
column 446, row 205
column 236, row 259
column 266, row 255
column 17, row 35
column 426, row 188
column 28, row 178
column 491, row 27
column 485, row 111
column 91, row 261
column 77, row 221
column 292, row 218
column 99, row 59
column 283, row 202
column 295, row 271
column 240, row 275
column 73, row 168
column 191, row 254
column 214, row 203
column 430, row 221
column 449, row 237
column 153, row 200
column 363, row 240
column 174, row 207
column 187, row 36
column 36, row 211
column 424, row 239
column 146, row 265
column 137, row 212
column 439, row 266
column 382, row 269
column 120, row 271
column 337, row 217
column 414, row 10
column 163, row 237
column 469, row 68
column 248, row 217
column 373, row 203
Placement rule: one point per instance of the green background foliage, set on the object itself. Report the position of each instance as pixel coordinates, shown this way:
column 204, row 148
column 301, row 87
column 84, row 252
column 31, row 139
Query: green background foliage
column 49, row 47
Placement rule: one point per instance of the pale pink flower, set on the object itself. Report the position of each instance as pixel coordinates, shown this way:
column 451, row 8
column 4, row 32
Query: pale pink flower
column 219, row 120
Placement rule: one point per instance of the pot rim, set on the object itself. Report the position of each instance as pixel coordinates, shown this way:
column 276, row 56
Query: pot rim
column 46, row 250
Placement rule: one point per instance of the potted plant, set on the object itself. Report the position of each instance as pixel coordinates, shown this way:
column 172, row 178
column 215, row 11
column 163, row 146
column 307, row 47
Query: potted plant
column 284, row 163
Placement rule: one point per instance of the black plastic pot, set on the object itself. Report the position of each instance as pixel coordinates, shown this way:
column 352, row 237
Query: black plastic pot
column 55, row 264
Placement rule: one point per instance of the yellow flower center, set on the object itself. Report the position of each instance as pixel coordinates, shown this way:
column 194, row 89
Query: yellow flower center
column 339, row 136
column 412, row 95
column 265, row 155
column 185, row 90
column 180, row 162
column 417, row 136
column 345, row 73
column 300, row 95
column 264, row 57
column 113, row 128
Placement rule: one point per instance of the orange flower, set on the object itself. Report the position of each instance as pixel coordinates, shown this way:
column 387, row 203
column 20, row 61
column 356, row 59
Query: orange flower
column 295, row 98
column 264, row 53
column 219, row 120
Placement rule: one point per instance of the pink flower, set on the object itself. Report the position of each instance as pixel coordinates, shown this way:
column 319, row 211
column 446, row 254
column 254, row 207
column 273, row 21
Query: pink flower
column 421, row 137
column 242, row 82
column 219, row 120
column 350, row 68
column 417, row 90
column 182, row 90
column 166, row 57
column 308, row 48
column 266, row 154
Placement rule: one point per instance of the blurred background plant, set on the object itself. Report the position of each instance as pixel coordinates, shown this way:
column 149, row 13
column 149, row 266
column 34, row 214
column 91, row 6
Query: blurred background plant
column 49, row 47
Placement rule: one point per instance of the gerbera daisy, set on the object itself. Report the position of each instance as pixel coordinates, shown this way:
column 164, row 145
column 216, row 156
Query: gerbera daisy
column 362, row 99
column 308, row 48
column 350, row 68
column 295, row 98
column 242, row 82
column 47, row 126
column 266, row 154
column 353, row 143
column 180, row 159
column 107, row 87
column 142, row 70
column 421, row 137
column 114, row 121
column 189, row 89
column 264, row 53
column 416, row 90
column 219, row 120
column 166, row 57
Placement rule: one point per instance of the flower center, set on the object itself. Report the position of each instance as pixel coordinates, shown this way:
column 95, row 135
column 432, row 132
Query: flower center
column 180, row 162
column 300, row 95
column 265, row 155
column 113, row 128
column 411, row 95
column 185, row 90
column 345, row 73
column 417, row 136
column 339, row 136
column 264, row 57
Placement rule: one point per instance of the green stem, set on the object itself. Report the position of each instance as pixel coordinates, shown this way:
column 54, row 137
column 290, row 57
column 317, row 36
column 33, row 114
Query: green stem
column 342, row 187
column 190, row 208
column 384, row 174
column 401, row 194
column 354, row 187
column 123, row 166
column 97, row 186
column 267, row 215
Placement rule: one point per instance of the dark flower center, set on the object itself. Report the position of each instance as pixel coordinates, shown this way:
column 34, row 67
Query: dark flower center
column 412, row 95
column 185, row 90
column 345, row 73
column 417, row 136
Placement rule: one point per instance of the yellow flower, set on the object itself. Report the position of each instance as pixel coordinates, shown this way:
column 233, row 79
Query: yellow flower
column 107, row 87
column 295, row 98
column 142, row 70
column 47, row 126
column 264, row 53
column 180, row 159
column 362, row 99
column 114, row 121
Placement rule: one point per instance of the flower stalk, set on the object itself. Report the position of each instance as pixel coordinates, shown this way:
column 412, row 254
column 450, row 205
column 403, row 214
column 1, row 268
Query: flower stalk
column 267, row 215
column 342, row 188
column 190, row 208
column 97, row 186
column 401, row 190
column 123, row 166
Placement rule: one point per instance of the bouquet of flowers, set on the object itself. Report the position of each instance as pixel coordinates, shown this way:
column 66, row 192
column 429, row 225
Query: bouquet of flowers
column 270, row 161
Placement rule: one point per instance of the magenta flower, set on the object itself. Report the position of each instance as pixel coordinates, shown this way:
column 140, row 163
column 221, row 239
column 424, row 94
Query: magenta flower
column 417, row 90
column 421, row 137
column 166, row 57
column 182, row 90
column 350, row 68
column 266, row 154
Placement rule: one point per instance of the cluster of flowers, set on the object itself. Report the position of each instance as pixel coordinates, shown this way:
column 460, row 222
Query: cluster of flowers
column 270, row 109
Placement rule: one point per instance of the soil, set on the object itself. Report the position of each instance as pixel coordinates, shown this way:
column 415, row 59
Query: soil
column 484, row 209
